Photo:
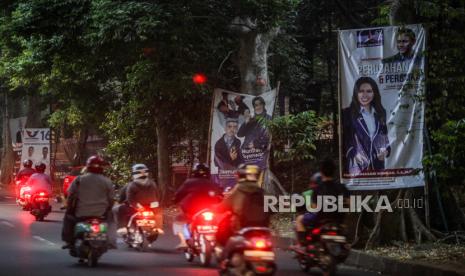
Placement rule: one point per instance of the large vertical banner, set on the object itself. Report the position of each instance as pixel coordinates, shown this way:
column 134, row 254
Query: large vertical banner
column 16, row 131
column 382, row 86
column 238, row 134
column 36, row 146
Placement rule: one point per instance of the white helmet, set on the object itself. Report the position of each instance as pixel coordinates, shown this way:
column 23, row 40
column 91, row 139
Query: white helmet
column 140, row 173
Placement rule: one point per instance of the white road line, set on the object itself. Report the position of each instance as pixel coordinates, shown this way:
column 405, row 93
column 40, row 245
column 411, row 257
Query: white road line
column 8, row 197
column 8, row 224
column 44, row 240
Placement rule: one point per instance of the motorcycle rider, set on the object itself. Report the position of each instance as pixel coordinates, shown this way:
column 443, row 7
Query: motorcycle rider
column 246, row 206
column 328, row 187
column 40, row 181
column 23, row 175
column 137, row 195
column 90, row 195
column 197, row 192
column 315, row 181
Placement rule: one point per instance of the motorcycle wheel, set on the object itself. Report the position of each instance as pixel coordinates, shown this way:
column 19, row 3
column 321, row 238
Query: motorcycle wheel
column 144, row 244
column 205, row 252
column 92, row 258
column 304, row 266
column 188, row 255
column 331, row 268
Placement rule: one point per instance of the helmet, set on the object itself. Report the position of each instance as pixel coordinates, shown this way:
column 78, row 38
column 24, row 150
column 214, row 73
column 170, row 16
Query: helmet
column 27, row 163
column 315, row 180
column 40, row 167
column 200, row 170
column 95, row 164
column 139, row 171
column 248, row 173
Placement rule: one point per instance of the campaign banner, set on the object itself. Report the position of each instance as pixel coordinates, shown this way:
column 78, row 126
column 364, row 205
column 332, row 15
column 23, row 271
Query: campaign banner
column 16, row 131
column 36, row 146
column 381, row 98
column 238, row 134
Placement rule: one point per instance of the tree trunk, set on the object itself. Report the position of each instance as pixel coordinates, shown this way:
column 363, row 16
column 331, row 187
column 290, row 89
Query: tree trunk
column 8, row 158
column 253, row 56
column 33, row 109
column 163, row 154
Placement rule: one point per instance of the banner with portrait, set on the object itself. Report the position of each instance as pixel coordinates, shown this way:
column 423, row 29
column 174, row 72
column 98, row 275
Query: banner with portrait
column 238, row 135
column 36, row 146
column 16, row 131
column 381, row 97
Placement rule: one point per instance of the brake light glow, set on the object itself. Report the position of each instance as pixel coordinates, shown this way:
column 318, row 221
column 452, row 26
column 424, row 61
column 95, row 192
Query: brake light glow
column 95, row 228
column 207, row 216
column 147, row 213
column 260, row 243
column 41, row 194
column 332, row 233
column 261, row 269
column 316, row 231
column 26, row 188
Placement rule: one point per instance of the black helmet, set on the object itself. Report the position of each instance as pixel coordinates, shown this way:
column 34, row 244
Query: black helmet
column 27, row 163
column 40, row 167
column 248, row 173
column 200, row 170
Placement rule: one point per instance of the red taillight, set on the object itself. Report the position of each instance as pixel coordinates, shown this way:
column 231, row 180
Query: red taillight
column 66, row 180
column 147, row 213
column 331, row 233
column 261, row 269
column 26, row 188
column 316, row 231
column 42, row 194
column 208, row 216
column 308, row 238
column 95, row 228
column 260, row 243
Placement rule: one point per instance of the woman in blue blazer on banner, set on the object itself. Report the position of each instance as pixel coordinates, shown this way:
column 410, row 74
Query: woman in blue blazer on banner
column 365, row 139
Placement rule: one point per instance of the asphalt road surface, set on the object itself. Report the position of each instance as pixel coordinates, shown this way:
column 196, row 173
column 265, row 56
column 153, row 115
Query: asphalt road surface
column 28, row 247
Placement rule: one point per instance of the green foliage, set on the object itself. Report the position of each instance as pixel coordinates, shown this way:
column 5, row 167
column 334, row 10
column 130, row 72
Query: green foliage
column 449, row 160
column 294, row 136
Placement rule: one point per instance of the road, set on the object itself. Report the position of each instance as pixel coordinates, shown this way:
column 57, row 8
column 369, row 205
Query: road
column 28, row 247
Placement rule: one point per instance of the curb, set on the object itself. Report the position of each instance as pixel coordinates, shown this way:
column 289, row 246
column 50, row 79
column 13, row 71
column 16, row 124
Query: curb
column 385, row 265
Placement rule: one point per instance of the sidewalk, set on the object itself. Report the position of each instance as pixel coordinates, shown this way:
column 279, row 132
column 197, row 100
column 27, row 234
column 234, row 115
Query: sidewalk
column 385, row 265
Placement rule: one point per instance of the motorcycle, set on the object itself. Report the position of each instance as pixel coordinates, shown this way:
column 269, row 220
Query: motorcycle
column 203, row 233
column 23, row 194
column 91, row 240
column 39, row 205
column 142, row 229
column 251, row 253
column 325, row 248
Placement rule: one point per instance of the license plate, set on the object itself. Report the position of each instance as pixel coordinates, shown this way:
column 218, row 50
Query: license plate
column 145, row 222
column 207, row 229
column 334, row 238
column 96, row 237
column 257, row 254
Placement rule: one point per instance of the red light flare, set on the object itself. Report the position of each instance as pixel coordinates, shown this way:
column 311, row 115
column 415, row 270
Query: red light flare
column 199, row 79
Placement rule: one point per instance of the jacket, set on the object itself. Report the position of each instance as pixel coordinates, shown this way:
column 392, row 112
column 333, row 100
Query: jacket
column 142, row 194
column 246, row 202
column 196, row 194
column 223, row 159
column 91, row 194
column 356, row 140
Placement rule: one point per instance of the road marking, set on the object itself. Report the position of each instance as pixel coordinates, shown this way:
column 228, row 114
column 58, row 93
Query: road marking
column 8, row 197
column 8, row 224
column 44, row 240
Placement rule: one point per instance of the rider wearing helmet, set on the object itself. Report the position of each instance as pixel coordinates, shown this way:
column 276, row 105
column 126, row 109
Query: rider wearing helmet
column 245, row 205
column 23, row 175
column 40, row 180
column 197, row 192
column 140, row 193
column 90, row 195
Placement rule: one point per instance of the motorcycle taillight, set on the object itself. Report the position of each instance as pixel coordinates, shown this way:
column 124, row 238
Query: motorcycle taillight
column 95, row 228
column 260, row 243
column 316, row 231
